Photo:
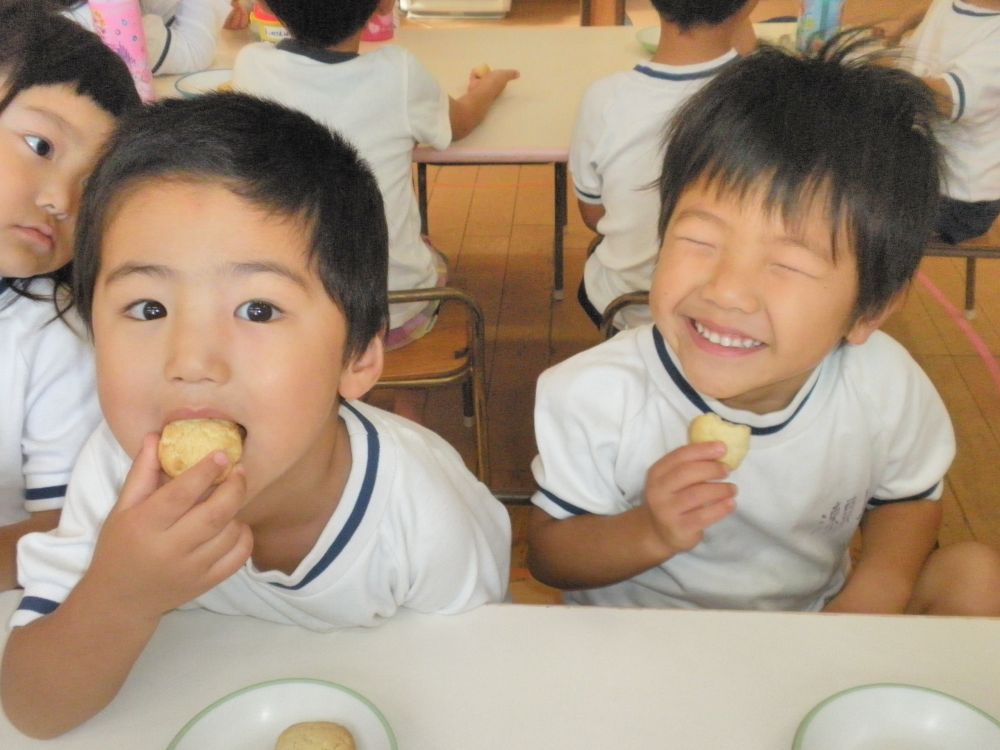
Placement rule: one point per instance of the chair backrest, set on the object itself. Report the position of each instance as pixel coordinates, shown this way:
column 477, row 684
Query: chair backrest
column 616, row 306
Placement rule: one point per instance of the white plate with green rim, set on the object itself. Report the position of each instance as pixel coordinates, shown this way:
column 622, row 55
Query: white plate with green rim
column 204, row 82
column 888, row 716
column 252, row 718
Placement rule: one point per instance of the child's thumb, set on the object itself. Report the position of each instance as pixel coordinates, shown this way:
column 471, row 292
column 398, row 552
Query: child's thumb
column 144, row 477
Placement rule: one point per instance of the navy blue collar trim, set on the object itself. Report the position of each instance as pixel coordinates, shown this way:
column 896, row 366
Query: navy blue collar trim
column 663, row 75
column 973, row 13
column 357, row 513
column 695, row 398
column 4, row 285
column 315, row 53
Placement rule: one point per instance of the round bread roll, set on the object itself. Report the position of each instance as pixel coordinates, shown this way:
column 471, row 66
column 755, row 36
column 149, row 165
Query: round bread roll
column 709, row 427
column 185, row 442
column 315, row 735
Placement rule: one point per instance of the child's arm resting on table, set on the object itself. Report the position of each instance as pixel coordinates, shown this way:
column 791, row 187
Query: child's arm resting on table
column 44, row 520
column 893, row 29
column 470, row 109
column 683, row 497
column 896, row 540
column 159, row 548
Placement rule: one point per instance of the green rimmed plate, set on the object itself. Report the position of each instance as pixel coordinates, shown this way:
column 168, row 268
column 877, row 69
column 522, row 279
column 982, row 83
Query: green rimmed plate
column 254, row 716
column 889, row 716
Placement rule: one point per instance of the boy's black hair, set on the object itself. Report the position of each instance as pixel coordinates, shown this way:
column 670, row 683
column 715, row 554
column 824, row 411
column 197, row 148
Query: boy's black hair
column 688, row 13
column 39, row 47
column 323, row 23
column 271, row 156
column 840, row 126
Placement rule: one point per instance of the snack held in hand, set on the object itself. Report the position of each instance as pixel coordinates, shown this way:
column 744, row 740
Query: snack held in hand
column 709, row 427
column 482, row 70
column 185, row 442
column 315, row 735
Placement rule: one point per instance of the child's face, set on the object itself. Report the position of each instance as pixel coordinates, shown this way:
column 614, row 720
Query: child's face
column 750, row 306
column 207, row 306
column 49, row 140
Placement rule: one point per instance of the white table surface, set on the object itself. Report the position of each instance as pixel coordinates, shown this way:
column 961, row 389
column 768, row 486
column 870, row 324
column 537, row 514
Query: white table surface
column 551, row 678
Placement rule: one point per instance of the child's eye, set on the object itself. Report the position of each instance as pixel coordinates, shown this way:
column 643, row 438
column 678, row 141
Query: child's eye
column 39, row 145
column 258, row 311
column 147, row 309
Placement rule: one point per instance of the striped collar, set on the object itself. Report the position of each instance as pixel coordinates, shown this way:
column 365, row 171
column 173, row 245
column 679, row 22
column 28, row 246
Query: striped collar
column 686, row 72
column 674, row 373
column 318, row 54
column 967, row 9
column 357, row 512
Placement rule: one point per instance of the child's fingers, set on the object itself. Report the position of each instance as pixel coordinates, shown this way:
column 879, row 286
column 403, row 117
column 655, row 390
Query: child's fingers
column 224, row 553
column 143, row 478
column 175, row 498
column 705, row 515
column 207, row 519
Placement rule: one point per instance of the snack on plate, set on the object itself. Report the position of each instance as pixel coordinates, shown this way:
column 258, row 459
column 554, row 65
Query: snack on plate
column 482, row 70
column 315, row 735
column 185, row 442
column 709, row 427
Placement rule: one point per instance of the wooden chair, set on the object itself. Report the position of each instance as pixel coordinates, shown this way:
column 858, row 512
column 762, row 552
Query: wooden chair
column 454, row 351
column 616, row 306
column 986, row 246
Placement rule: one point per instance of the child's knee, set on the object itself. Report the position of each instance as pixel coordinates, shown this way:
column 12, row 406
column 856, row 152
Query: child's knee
column 961, row 579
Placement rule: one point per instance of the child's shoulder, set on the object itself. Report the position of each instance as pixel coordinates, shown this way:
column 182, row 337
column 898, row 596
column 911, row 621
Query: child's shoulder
column 621, row 363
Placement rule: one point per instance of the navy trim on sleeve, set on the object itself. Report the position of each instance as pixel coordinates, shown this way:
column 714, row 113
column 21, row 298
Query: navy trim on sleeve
column 695, row 398
column 586, row 195
column 37, row 604
column 357, row 513
column 961, row 95
column 568, row 507
column 166, row 49
column 973, row 13
column 876, row 502
column 45, row 493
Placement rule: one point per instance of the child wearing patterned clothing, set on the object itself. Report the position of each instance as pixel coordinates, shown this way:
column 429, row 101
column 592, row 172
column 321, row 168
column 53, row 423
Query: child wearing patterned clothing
column 227, row 274
column 797, row 196
column 617, row 145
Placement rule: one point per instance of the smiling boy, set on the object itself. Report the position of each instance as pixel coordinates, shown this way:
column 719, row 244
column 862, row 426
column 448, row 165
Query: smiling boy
column 796, row 198
column 226, row 273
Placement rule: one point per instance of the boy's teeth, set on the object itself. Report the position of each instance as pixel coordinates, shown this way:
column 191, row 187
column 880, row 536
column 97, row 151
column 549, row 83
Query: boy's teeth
column 731, row 341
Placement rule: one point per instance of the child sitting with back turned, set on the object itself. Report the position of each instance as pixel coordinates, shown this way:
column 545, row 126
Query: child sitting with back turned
column 956, row 49
column 797, row 195
column 61, row 90
column 384, row 102
column 617, row 146
column 229, row 274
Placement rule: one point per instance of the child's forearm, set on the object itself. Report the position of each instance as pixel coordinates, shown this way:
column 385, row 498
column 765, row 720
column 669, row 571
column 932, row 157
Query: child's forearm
column 592, row 551
column 62, row 669
column 41, row 521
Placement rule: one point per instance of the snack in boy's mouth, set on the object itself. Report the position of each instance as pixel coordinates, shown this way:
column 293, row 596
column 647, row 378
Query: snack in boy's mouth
column 482, row 70
column 185, row 442
column 709, row 427
column 315, row 735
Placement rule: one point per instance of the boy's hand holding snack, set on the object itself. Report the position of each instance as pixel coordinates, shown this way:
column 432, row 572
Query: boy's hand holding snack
column 494, row 80
column 164, row 545
column 684, row 495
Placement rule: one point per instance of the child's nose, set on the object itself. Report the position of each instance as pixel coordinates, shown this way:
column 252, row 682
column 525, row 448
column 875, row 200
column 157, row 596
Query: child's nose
column 196, row 352
column 57, row 195
column 733, row 285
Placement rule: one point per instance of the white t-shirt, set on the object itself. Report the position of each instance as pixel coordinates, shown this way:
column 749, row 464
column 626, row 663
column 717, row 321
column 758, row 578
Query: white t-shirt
column 49, row 401
column 960, row 42
column 867, row 428
column 384, row 102
column 414, row 528
column 181, row 35
column 616, row 156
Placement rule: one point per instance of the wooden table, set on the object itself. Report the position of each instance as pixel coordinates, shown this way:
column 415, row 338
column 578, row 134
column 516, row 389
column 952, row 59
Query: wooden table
column 551, row 678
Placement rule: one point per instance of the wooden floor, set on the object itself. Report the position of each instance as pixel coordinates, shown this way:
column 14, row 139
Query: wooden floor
column 495, row 224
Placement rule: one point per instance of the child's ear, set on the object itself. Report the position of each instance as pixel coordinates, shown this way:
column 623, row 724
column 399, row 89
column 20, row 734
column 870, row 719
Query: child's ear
column 363, row 370
column 865, row 326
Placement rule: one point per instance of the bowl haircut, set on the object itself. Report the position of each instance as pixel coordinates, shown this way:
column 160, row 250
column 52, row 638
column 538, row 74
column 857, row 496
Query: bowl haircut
column 276, row 159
